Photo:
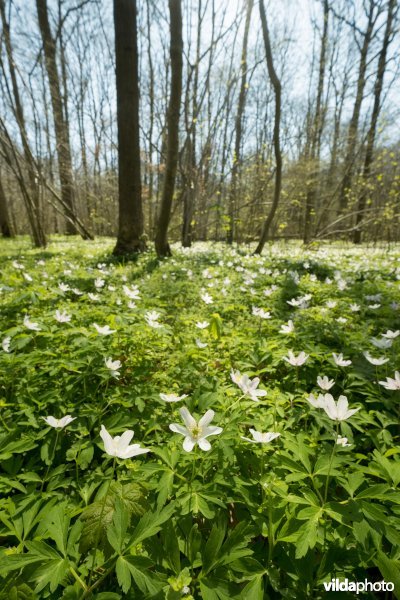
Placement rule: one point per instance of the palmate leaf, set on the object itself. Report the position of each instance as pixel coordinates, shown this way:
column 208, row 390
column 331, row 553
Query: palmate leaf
column 97, row 517
column 15, row 589
column 151, row 523
column 52, row 569
column 136, row 568
column 53, row 573
column 390, row 570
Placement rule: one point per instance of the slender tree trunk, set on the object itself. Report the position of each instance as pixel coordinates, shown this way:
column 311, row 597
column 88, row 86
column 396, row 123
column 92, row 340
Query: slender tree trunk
column 131, row 222
column 176, row 50
column 31, row 195
column 369, row 154
column 352, row 133
column 152, row 211
column 5, row 223
column 239, row 128
column 59, row 115
column 276, row 135
column 316, row 133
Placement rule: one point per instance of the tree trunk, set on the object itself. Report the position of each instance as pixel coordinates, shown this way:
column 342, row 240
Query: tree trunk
column 238, row 128
column 176, row 51
column 31, row 195
column 60, row 123
column 276, row 135
column 369, row 154
column 5, row 224
column 131, row 222
column 352, row 133
column 316, row 132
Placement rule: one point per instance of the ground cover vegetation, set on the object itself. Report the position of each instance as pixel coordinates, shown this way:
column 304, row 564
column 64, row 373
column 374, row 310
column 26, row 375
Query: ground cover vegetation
column 262, row 398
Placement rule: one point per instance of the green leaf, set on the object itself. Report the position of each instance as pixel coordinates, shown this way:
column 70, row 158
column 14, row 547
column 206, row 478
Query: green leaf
column 123, row 574
column 136, row 568
column 390, row 570
column 254, row 590
column 116, row 532
column 214, row 543
column 150, row 524
column 171, row 547
column 52, row 572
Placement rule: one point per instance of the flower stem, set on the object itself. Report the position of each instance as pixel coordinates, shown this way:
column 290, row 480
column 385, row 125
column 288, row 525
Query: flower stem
column 330, row 463
column 51, row 460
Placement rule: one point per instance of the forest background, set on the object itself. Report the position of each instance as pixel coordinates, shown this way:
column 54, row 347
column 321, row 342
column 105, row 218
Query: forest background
column 312, row 155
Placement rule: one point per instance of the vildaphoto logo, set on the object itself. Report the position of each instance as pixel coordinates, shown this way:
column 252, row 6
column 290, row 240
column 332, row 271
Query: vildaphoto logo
column 335, row 585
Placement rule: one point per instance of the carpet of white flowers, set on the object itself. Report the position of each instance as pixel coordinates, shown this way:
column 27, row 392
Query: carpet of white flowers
column 216, row 425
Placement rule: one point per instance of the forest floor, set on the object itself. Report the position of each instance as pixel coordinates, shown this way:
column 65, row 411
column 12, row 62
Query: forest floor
column 289, row 480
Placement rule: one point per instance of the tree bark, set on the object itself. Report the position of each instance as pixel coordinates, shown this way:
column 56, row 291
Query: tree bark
column 31, row 195
column 316, row 133
column 369, row 154
column 352, row 133
column 5, row 223
column 59, row 118
column 176, row 51
column 276, row 135
column 131, row 222
column 239, row 127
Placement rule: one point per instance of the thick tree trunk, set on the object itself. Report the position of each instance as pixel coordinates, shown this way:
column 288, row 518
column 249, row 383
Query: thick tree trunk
column 176, row 50
column 369, row 154
column 131, row 224
column 60, row 122
column 276, row 136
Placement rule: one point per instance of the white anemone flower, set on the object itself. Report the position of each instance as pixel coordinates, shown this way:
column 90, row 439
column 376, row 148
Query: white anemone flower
column 288, row 327
column 106, row 330
column 118, row 446
column 338, row 411
column 64, row 287
column 202, row 324
column 318, row 402
column 247, row 385
column 355, row 307
column 172, row 397
column 132, row 293
column 59, row 423
column 382, row 344
column 62, row 317
column 196, row 432
column 151, row 317
column 201, row 344
column 99, row 283
column 114, row 366
column 260, row 312
column 340, row 361
column 375, row 361
column 342, row 441
column 6, row 343
column 325, row 383
column 261, row 438
column 390, row 383
column 30, row 324
column 296, row 361
column 93, row 297
column 390, row 335
column 206, row 298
